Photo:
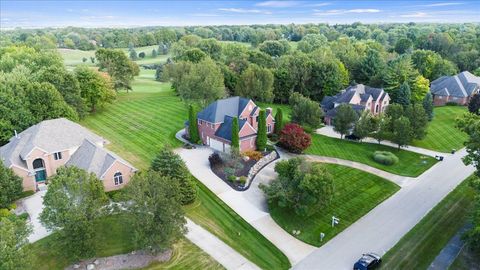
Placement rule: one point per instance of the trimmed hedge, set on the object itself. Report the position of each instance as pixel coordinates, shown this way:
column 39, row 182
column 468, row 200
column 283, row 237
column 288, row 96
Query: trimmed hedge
column 385, row 157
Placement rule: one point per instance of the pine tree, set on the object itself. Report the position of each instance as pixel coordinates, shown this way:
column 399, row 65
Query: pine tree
column 404, row 95
column 428, row 106
column 262, row 131
column 192, row 125
column 235, row 136
column 279, row 121
column 154, row 53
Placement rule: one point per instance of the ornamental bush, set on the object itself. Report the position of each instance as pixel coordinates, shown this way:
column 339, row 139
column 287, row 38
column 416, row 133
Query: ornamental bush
column 294, row 138
column 385, row 157
column 215, row 160
column 255, row 155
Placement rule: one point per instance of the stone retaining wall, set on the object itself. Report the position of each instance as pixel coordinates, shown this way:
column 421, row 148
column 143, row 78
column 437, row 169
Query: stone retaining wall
column 259, row 165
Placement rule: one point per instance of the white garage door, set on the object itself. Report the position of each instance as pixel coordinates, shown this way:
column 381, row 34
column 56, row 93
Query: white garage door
column 217, row 145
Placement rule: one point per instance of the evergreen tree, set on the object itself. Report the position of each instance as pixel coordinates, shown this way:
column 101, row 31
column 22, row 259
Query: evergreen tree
column 193, row 125
column 428, row 106
column 474, row 104
column 133, row 55
column 404, row 95
column 154, row 53
column 279, row 121
column 262, row 131
column 235, row 136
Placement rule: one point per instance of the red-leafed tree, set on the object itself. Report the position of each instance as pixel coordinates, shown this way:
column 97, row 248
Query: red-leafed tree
column 294, row 138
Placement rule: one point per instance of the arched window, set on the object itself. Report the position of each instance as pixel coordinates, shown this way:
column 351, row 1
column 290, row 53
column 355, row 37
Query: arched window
column 118, row 178
column 38, row 164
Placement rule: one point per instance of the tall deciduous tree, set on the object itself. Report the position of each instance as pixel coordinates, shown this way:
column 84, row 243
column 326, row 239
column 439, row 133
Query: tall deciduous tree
column 470, row 124
column 235, row 136
column 256, row 83
column 168, row 163
column 418, row 120
column 402, row 131
column 45, row 102
column 274, row 47
column 156, row 216
column 365, row 125
column 95, row 89
column 193, row 125
column 14, row 246
column 312, row 42
column 72, row 204
column 420, row 88
column 305, row 111
column 119, row 67
column 300, row 186
column 344, row 119
column 262, row 131
column 10, row 186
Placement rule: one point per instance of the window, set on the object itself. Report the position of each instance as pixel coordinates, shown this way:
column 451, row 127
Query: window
column 57, row 155
column 376, row 108
column 118, row 178
column 269, row 128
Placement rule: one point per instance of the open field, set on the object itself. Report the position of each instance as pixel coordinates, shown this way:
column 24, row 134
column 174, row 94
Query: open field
column 442, row 135
column 419, row 247
column 114, row 238
column 409, row 164
column 138, row 125
column 356, row 193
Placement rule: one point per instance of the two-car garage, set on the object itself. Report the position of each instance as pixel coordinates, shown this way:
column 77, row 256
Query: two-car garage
column 218, row 145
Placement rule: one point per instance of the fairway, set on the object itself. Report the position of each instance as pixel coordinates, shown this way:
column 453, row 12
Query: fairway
column 409, row 164
column 356, row 193
column 143, row 121
column 442, row 135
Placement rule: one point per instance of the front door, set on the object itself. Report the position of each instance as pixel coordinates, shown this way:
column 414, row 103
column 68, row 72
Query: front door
column 40, row 176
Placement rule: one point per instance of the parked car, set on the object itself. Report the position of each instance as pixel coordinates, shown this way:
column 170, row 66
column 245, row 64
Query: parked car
column 368, row 261
column 352, row 137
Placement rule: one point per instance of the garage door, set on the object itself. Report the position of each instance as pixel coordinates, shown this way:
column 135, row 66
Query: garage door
column 217, row 145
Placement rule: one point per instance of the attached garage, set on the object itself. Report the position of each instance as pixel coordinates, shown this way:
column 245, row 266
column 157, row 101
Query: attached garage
column 218, row 145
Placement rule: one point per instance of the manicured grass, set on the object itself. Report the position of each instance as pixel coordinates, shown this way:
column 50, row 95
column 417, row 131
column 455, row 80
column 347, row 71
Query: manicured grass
column 356, row 193
column 138, row 125
column 419, row 247
column 442, row 135
column 115, row 238
column 286, row 110
column 409, row 164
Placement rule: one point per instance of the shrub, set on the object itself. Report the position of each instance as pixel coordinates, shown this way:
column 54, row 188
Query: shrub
column 10, row 186
column 115, row 195
column 23, row 216
column 270, row 147
column 255, row 155
column 12, row 206
column 385, row 157
column 232, row 178
column 215, row 160
column 4, row 212
column 242, row 180
column 294, row 138
column 451, row 103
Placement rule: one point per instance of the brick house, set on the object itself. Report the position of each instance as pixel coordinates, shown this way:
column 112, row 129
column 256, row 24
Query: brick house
column 458, row 89
column 215, row 123
column 360, row 97
column 37, row 152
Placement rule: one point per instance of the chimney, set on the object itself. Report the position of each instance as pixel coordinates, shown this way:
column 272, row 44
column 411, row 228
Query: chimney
column 268, row 110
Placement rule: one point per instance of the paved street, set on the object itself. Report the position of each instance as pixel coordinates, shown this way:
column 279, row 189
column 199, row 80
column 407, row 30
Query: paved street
column 381, row 228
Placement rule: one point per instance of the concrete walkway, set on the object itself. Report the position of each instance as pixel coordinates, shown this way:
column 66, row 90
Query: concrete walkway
column 384, row 226
column 34, row 207
column 450, row 252
column 328, row 131
column 250, row 204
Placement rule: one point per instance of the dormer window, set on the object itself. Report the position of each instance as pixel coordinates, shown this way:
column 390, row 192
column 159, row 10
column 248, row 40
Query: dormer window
column 57, row 155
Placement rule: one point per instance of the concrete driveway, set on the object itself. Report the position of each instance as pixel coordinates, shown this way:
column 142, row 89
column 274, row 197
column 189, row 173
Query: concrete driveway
column 34, row 206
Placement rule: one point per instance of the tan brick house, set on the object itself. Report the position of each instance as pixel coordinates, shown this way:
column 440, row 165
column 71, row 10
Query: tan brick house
column 37, row 152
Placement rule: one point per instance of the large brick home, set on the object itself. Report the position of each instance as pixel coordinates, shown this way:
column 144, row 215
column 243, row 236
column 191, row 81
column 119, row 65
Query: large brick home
column 458, row 88
column 360, row 97
column 38, row 151
column 215, row 123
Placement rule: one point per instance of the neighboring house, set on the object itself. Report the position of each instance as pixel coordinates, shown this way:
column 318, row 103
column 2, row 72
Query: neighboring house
column 37, row 152
column 458, row 89
column 360, row 97
column 215, row 123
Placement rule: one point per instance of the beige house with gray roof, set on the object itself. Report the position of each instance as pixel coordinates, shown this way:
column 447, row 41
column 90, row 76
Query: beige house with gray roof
column 37, row 152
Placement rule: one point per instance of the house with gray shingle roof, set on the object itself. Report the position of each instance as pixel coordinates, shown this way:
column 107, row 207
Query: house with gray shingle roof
column 360, row 97
column 215, row 123
column 38, row 151
column 458, row 88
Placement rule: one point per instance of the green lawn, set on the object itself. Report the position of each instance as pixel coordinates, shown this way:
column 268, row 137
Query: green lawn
column 419, row 247
column 356, row 193
column 138, row 125
column 442, row 135
column 115, row 238
column 409, row 164
column 467, row 259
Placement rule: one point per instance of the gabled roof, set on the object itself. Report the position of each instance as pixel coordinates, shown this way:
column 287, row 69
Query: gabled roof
column 50, row 135
column 216, row 111
column 345, row 96
column 460, row 85
column 93, row 158
column 225, row 129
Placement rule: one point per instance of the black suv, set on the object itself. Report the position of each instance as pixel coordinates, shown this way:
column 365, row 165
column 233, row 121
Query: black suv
column 368, row 261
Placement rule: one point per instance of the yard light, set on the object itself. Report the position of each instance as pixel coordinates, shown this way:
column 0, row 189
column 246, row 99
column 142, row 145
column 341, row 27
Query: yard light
column 335, row 221
column 322, row 235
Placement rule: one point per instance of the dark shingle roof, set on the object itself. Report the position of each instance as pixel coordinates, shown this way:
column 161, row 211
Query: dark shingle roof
column 216, row 111
column 460, row 85
column 225, row 129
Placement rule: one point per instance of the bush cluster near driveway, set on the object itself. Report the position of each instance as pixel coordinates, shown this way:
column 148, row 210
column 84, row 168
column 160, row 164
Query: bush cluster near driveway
column 355, row 194
column 419, row 247
column 384, row 157
column 442, row 135
column 138, row 125
column 409, row 164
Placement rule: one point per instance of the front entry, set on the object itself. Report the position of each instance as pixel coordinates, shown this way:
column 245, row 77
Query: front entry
column 40, row 171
